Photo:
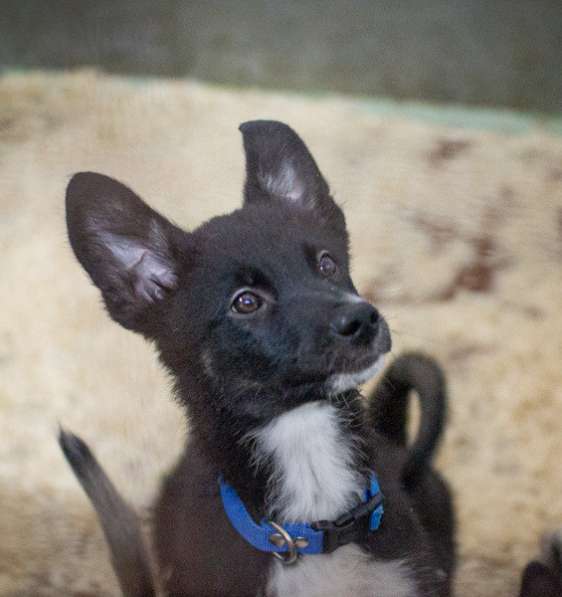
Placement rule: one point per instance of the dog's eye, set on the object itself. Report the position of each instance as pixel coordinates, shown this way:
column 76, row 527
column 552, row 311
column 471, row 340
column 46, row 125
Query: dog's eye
column 326, row 265
column 246, row 302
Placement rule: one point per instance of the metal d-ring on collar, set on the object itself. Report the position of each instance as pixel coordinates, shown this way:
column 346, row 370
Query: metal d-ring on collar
column 281, row 539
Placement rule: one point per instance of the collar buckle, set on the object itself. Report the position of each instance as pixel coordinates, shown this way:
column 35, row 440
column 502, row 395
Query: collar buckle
column 351, row 527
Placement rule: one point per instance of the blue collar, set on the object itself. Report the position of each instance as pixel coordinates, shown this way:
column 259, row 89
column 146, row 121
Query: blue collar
column 292, row 539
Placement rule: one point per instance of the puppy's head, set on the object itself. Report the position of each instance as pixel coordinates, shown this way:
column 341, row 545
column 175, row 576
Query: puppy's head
column 257, row 305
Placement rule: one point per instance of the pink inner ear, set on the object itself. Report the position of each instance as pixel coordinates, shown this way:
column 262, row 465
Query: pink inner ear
column 284, row 183
column 152, row 273
column 153, row 276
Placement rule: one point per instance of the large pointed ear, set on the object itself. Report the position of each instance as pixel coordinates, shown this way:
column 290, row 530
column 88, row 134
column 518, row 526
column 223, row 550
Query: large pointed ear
column 279, row 167
column 130, row 251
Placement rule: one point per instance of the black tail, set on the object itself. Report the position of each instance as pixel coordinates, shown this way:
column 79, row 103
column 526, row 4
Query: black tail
column 543, row 577
column 120, row 524
column 389, row 408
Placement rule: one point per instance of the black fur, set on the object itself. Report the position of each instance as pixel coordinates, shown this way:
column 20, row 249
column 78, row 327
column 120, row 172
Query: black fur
column 235, row 372
column 119, row 523
column 543, row 578
column 389, row 407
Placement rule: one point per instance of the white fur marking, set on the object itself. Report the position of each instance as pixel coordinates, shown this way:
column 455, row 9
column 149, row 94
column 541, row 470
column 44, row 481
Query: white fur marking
column 348, row 572
column 312, row 461
column 313, row 480
column 354, row 298
column 346, row 381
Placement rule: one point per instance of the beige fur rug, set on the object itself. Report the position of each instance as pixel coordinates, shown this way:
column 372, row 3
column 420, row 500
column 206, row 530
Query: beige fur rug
column 457, row 236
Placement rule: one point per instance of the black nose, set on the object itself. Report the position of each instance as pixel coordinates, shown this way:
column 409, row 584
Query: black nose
column 356, row 320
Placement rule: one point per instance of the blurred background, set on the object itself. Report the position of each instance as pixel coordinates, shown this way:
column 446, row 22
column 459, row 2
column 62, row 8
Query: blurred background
column 438, row 124
column 503, row 53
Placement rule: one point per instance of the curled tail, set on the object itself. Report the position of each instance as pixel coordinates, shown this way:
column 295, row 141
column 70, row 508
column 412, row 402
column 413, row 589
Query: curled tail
column 120, row 524
column 389, row 409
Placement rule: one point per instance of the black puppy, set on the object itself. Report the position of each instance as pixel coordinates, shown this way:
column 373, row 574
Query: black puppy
column 256, row 317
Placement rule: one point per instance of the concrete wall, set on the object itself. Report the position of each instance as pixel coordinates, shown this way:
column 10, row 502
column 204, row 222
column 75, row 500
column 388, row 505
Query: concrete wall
column 486, row 52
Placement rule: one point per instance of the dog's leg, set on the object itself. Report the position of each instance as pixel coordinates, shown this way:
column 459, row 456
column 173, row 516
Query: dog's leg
column 389, row 405
column 120, row 524
column 544, row 578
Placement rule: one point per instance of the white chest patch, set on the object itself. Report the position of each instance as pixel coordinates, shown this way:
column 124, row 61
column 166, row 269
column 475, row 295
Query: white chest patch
column 313, row 480
column 348, row 572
